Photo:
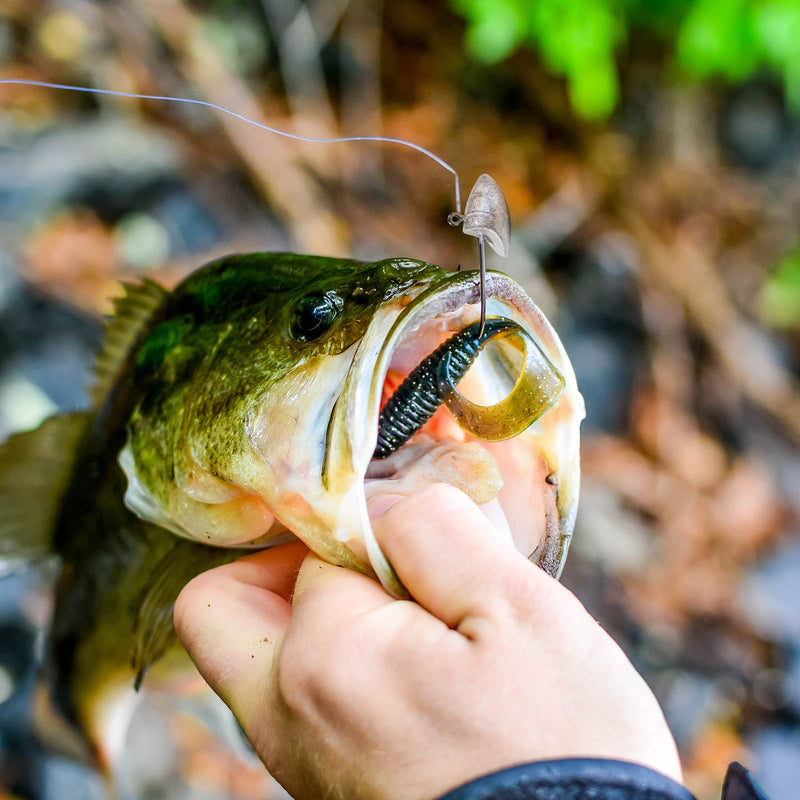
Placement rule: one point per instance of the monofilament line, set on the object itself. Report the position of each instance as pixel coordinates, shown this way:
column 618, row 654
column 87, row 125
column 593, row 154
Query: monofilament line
column 191, row 101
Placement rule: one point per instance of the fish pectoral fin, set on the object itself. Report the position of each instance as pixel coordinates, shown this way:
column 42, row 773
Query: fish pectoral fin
column 154, row 629
column 35, row 468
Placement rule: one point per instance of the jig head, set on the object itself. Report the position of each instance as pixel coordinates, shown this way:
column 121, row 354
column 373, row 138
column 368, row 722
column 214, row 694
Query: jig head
column 485, row 217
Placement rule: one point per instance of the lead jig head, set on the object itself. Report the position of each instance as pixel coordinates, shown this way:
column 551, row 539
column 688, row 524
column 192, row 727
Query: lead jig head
column 486, row 217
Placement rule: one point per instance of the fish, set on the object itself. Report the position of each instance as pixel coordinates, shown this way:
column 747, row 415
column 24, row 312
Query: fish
column 243, row 409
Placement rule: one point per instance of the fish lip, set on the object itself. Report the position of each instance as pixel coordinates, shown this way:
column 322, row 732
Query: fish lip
column 354, row 427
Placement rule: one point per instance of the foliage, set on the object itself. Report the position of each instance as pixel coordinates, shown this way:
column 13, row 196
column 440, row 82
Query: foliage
column 580, row 39
column 780, row 294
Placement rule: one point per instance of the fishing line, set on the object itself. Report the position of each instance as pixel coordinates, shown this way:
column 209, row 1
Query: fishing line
column 192, row 101
column 486, row 213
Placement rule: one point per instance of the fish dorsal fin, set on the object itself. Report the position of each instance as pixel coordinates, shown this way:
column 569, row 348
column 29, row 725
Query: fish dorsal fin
column 133, row 312
column 35, row 467
column 154, row 628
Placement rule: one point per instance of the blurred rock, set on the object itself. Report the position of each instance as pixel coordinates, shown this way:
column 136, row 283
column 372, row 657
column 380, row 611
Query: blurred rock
column 608, row 534
column 192, row 229
column 600, row 325
column 755, row 129
column 690, row 701
column 776, row 761
column 67, row 780
column 792, row 678
column 768, row 595
column 23, row 405
column 16, row 656
column 50, row 345
column 108, row 164
column 142, row 240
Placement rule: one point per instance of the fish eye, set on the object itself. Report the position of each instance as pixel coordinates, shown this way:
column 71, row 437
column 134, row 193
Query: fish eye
column 313, row 316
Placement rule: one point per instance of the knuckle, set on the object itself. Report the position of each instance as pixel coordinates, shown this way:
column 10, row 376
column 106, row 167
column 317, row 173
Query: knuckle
column 524, row 596
column 296, row 672
column 183, row 615
column 309, row 678
column 535, row 600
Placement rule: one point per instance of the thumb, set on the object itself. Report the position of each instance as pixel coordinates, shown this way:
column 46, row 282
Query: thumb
column 231, row 618
column 452, row 560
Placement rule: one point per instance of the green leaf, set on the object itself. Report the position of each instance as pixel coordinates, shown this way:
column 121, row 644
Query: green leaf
column 578, row 39
column 496, row 31
column 719, row 37
column 777, row 25
column 780, row 294
column 594, row 92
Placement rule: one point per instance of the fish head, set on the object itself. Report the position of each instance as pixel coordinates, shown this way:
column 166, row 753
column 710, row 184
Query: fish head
column 261, row 390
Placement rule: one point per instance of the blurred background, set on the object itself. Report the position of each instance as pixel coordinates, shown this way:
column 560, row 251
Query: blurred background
column 650, row 154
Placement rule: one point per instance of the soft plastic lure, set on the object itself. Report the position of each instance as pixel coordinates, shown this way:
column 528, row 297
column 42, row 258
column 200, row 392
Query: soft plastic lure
column 433, row 383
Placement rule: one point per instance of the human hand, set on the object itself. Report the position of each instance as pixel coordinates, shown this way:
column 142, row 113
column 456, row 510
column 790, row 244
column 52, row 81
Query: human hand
column 345, row 692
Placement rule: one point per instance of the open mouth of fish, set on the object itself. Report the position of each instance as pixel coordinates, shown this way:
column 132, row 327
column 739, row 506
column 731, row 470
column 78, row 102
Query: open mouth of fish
column 525, row 481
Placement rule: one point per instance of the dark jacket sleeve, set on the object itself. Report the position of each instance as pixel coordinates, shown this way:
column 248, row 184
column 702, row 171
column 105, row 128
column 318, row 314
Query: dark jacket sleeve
column 599, row 779
column 739, row 785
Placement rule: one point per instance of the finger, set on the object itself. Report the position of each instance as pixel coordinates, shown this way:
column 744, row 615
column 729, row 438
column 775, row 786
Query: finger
column 337, row 645
column 330, row 606
column 343, row 593
column 450, row 558
column 230, row 619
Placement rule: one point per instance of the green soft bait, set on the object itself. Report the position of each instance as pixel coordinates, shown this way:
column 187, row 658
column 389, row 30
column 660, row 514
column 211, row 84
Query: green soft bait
column 433, row 383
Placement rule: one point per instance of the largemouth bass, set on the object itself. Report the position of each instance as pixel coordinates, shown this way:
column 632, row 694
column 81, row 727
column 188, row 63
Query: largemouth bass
column 242, row 409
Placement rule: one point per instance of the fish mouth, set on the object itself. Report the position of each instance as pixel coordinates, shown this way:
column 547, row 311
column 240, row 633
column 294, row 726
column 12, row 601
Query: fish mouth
column 498, row 476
